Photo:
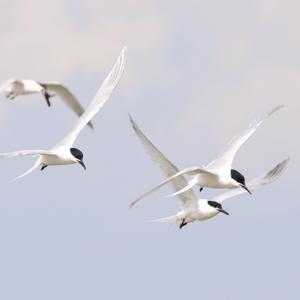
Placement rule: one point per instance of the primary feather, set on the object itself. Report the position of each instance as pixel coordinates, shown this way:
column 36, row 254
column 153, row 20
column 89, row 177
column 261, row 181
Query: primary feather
column 167, row 167
column 99, row 100
column 257, row 182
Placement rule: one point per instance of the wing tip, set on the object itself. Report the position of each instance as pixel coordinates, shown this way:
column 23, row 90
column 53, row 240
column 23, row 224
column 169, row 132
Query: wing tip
column 123, row 55
column 90, row 124
column 132, row 204
column 276, row 108
column 257, row 122
column 134, row 125
column 118, row 68
column 278, row 169
column 286, row 161
column 130, row 117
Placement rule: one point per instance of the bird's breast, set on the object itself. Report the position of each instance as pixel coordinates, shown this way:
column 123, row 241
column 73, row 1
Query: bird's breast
column 216, row 181
column 30, row 86
column 57, row 160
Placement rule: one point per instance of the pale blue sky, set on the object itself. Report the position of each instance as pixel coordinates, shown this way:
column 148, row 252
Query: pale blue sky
column 197, row 73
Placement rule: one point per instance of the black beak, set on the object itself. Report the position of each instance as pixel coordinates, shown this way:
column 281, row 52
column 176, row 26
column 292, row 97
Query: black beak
column 223, row 211
column 82, row 164
column 244, row 187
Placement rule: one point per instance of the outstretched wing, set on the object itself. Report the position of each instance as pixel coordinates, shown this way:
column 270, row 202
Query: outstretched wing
column 188, row 198
column 67, row 96
column 99, row 100
column 26, row 153
column 189, row 171
column 256, row 183
column 226, row 158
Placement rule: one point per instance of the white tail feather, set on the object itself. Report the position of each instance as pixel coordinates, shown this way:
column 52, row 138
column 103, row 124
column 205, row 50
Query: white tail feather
column 189, row 186
column 36, row 165
column 172, row 220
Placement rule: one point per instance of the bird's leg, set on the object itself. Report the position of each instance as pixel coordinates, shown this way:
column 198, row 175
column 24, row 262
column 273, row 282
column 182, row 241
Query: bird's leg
column 201, row 189
column 11, row 96
column 47, row 96
column 183, row 223
column 43, row 167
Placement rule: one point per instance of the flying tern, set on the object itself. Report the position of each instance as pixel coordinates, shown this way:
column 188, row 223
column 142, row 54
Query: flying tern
column 218, row 173
column 14, row 87
column 63, row 153
column 194, row 209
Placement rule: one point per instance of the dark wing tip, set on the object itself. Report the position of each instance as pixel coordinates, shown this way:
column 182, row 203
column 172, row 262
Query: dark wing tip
column 90, row 124
column 134, row 125
column 130, row 119
column 131, row 205
column 278, row 169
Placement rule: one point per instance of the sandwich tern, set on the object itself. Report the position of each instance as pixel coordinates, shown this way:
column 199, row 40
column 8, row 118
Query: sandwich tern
column 63, row 153
column 14, row 87
column 218, row 173
column 194, row 209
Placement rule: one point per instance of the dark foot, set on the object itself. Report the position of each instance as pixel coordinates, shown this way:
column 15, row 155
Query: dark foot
column 47, row 96
column 201, row 189
column 43, row 167
column 183, row 223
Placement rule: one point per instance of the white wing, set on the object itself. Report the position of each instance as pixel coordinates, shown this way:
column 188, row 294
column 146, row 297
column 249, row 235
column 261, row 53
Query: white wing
column 188, row 198
column 225, row 160
column 189, row 171
column 66, row 95
column 256, row 183
column 26, row 153
column 99, row 100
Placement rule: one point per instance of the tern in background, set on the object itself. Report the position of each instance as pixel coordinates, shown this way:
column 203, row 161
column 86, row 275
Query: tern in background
column 218, row 173
column 13, row 88
column 194, row 209
column 63, row 153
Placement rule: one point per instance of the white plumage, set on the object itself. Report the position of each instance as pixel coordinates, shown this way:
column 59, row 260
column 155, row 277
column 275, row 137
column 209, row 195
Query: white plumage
column 63, row 153
column 14, row 87
column 218, row 173
column 194, row 209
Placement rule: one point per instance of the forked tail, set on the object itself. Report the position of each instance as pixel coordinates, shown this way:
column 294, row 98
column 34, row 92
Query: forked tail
column 175, row 219
column 189, row 186
column 36, row 165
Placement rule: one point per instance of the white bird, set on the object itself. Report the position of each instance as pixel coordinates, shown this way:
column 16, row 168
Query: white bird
column 63, row 153
column 194, row 209
column 218, row 173
column 14, row 87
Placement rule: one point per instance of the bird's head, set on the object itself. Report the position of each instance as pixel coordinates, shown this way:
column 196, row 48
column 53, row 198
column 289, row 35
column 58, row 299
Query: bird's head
column 217, row 206
column 240, row 179
column 78, row 155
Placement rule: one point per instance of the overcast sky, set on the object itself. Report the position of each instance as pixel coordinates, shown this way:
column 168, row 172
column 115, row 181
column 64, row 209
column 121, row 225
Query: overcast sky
column 197, row 73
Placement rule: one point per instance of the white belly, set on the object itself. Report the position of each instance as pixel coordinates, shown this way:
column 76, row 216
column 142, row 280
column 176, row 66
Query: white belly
column 29, row 87
column 52, row 160
column 199, row 216
column 214, row 181
column 200, row 212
